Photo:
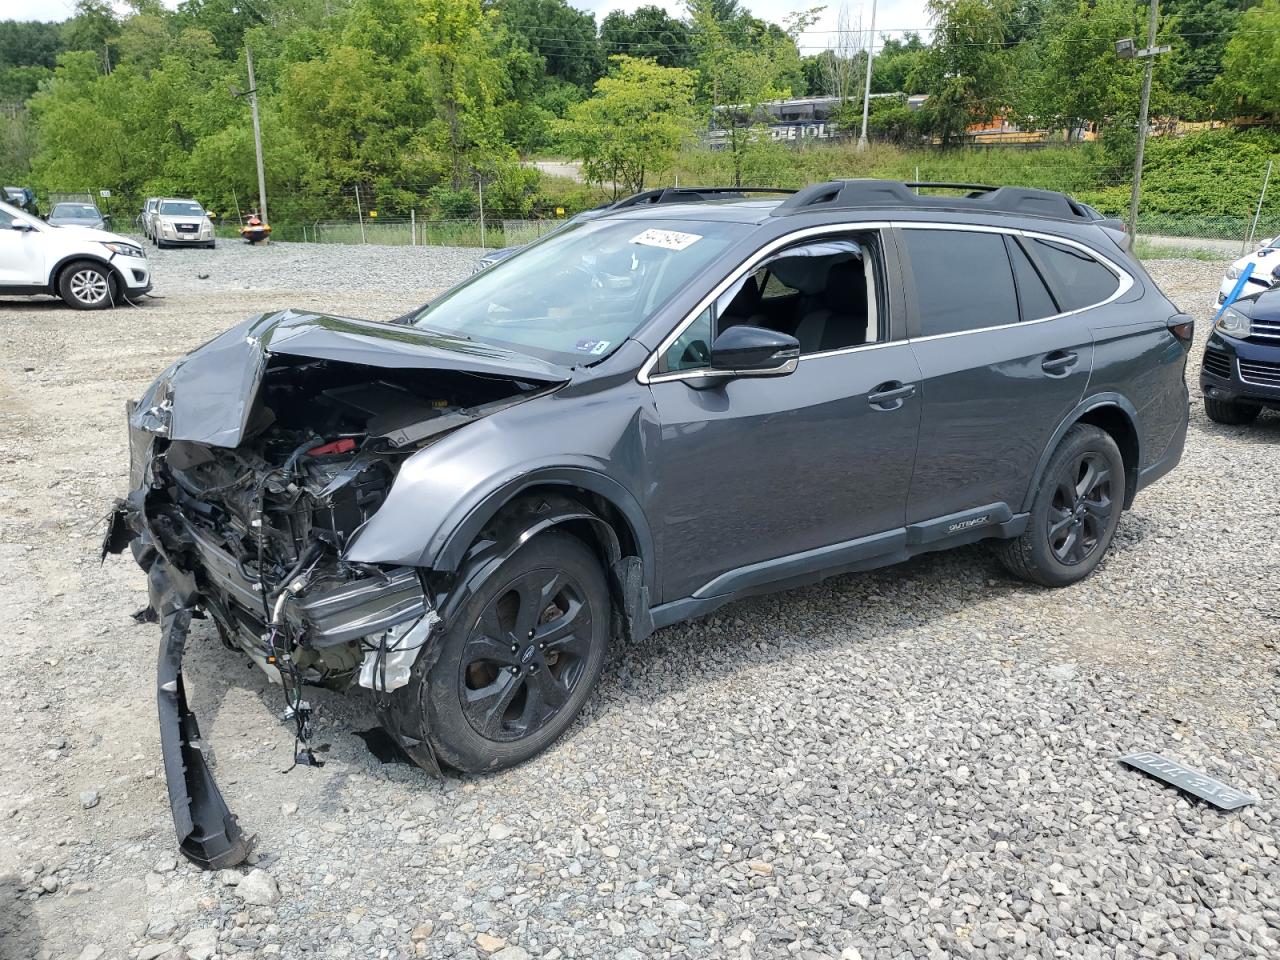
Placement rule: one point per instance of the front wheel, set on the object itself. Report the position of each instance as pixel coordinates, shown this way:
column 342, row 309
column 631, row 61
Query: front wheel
column 1075, row 512
column 1231, row 412
column 518, row 663
column 86, row 286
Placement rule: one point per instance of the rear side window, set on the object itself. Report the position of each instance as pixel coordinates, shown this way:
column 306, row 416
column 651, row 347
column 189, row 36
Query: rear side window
column 1077, row 279
column 963, row 280
column 1037, row 302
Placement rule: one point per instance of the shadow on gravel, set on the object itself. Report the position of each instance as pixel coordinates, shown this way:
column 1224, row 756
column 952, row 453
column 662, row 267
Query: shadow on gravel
column 19, row 933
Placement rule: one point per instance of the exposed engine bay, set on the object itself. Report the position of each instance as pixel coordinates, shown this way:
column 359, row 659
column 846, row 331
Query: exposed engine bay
column 271, row 518
column 253, row 532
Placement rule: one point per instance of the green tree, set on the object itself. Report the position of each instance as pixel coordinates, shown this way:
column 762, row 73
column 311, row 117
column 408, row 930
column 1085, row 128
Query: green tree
column 966, row 72
column 648, row 32
column 1205, row 26
column 1250, row 81
column 742, row 65
column 1074, row 77
column 563, row 37
column 636, row 121
column 896, row 61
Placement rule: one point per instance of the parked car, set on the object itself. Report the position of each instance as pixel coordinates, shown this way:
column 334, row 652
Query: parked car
column 1114, row 224
column 634, row 421
column 89, row 269
column 181, row 223
column 644, row 198
column 1240, row 372
column 147, row 219
column 1265, row 271
column 76, row 215
column 23, row 198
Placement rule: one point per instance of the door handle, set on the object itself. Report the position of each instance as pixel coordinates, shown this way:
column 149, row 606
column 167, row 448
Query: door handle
column 1059, row 362
column 889, row 396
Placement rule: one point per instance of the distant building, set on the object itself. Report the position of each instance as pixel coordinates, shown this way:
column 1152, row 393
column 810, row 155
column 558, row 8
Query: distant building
column 805, row 118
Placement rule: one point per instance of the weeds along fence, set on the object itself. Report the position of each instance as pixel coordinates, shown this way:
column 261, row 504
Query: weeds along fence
column 1222, row 236
column 408, row 231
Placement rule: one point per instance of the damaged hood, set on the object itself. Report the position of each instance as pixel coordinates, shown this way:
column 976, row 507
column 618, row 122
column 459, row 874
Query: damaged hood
column 208, row 395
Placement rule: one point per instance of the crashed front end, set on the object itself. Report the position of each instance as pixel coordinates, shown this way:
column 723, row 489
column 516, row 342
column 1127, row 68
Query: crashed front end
column 255, row 463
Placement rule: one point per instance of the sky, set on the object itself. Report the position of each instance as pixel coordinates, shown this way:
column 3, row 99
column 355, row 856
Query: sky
column 892, row 16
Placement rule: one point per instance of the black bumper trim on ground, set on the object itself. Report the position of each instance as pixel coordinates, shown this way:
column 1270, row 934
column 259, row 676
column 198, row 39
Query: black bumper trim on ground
column 208, row 834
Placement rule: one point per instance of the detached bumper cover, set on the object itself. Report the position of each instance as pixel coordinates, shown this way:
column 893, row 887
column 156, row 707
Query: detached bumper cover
column 208, row 834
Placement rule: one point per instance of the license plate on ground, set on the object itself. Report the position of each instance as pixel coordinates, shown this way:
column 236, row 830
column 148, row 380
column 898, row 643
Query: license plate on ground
column 1189, row 781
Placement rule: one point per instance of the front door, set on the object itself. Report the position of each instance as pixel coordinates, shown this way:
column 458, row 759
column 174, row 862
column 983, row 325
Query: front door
column 21, row 254
column 756, row 469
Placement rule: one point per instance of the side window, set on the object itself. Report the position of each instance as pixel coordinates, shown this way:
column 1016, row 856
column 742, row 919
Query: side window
column 963, row 280
column 692, row 348
column 1077, row 280
column 6, row 220
column 823, row 292
column 1037, row 302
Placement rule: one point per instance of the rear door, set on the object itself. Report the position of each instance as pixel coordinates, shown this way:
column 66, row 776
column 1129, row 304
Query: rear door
column 1003, row 361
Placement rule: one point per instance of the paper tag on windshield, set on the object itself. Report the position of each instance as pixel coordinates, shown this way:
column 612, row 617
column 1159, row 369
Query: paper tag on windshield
column 667, row 239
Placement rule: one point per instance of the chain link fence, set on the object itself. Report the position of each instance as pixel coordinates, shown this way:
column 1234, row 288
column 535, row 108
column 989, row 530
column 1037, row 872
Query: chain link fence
column 408, row 231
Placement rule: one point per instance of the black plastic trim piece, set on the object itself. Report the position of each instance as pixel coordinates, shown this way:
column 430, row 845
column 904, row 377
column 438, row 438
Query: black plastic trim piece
column 890, row 194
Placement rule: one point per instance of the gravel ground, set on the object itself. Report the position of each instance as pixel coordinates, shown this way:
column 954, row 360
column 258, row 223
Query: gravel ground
column 327, row 268
column 917, row 762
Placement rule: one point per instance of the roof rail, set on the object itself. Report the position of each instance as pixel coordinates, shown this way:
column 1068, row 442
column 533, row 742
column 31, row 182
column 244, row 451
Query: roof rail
column 853, row 194
column 691, row 195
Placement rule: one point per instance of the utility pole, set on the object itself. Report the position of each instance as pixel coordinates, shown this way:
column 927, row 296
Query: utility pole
column 257, row 137
column 866, row 89
column 1125, row 50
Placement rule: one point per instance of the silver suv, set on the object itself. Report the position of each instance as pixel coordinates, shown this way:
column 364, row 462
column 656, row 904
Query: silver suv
column 180, row 223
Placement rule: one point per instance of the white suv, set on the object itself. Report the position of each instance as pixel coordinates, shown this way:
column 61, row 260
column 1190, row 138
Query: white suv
column 89, row 269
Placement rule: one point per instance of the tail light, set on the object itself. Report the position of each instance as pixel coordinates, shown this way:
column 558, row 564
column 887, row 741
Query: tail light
column 1183, row 327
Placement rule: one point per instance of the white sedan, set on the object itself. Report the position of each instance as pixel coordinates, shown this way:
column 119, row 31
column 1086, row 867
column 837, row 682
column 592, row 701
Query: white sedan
column 1265, row 260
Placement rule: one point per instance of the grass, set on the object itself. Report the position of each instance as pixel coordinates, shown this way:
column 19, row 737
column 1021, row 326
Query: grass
column 1147, row 250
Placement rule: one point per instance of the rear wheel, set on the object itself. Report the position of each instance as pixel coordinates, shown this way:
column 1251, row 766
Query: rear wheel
column 518, row 663
column 1075, row 512
column 1231, row 412
column 85, row 285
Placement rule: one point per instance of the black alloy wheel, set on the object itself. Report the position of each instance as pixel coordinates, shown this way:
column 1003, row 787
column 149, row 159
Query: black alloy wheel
column 517, row 663
column 1080, row 512
column 1074, row 511
column 525, row 655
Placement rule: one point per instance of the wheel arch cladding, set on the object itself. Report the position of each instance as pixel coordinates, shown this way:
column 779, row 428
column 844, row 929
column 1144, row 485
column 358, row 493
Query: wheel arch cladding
column 586, row 515
column 55, row 275
column 1115, row 416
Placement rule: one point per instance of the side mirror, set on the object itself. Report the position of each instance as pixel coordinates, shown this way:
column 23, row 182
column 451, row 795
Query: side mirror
column 22, row 226
column 747, row 351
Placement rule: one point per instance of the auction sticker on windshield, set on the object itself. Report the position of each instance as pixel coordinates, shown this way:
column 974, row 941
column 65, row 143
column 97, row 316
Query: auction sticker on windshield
column 667, row 239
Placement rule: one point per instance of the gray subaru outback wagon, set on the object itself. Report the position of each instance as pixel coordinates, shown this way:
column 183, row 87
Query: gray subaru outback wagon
column 630, row 423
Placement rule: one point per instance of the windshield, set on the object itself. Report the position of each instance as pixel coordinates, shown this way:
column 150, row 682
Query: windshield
column 574, row 296
column 76, row 211
column 182, row 208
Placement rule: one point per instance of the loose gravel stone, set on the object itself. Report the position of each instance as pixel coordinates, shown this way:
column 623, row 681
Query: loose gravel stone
column 916, row 762
column 258, row 887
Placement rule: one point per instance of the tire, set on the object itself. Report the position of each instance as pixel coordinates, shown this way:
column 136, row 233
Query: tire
column 85, row 285
column 1068, row 533
column 474, row 737
column 1230, row 412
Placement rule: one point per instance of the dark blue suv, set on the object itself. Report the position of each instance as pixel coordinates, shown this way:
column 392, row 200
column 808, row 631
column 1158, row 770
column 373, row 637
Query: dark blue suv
column 1241, row 370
